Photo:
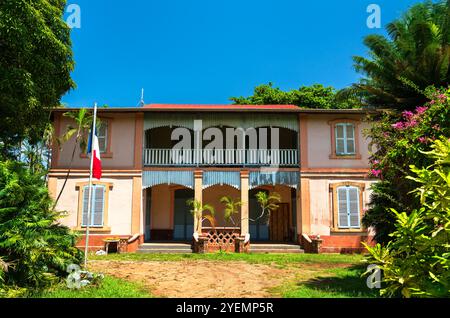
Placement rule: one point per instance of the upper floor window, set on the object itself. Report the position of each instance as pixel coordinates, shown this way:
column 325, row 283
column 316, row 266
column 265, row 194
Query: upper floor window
column 347, row 205
column 345, row 139
column 102, row 135
column 103, row 128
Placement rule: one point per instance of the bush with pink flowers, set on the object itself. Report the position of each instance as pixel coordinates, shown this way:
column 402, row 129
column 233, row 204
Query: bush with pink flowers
column 398, row 141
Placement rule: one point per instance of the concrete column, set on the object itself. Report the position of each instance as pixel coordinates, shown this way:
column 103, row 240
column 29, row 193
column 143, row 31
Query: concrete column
column 305, row 206
column 198, row 195
column 245, row 203
column 136, row 214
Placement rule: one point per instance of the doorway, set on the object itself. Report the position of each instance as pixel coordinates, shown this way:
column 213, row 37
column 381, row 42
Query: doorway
column 183, row 226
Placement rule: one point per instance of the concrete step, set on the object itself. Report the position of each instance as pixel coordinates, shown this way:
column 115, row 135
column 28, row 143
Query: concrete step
column 165, row 248
column 148, row 246
column 275, row 248
column 164, row 251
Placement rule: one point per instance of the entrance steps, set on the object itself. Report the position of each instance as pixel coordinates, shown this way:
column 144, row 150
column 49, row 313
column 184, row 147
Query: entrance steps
column 275, row 248
column 165, row 248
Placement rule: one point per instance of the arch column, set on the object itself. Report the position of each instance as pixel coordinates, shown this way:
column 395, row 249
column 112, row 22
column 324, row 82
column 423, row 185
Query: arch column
column 244, row 202
column 198, row 195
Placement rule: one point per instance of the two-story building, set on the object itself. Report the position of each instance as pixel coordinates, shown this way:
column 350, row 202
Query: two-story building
column 158, row 156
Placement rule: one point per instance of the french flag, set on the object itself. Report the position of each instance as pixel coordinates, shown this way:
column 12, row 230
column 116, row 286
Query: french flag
column 94, row 149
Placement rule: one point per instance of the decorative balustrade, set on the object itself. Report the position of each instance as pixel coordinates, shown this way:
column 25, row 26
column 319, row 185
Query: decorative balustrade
column 221, row 238
column 220, row 157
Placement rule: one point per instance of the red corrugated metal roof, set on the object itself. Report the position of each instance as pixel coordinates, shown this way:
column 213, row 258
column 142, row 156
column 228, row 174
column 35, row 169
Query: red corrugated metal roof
column 223, row 107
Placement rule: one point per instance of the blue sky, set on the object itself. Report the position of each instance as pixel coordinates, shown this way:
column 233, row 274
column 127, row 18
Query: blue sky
column 205, row 51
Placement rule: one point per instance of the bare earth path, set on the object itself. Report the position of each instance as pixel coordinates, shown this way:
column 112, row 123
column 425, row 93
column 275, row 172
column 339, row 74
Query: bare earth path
column 201, row 278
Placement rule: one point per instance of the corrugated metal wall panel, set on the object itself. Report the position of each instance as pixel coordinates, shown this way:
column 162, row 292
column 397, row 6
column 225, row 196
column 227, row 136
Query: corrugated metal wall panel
column 184, row 178
column 231, row 178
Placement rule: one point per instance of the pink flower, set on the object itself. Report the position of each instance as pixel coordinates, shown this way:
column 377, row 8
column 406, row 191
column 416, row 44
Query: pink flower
column 442, row 96
column 399, row 125
column 432, row 102
column 407, row 114
column 386, row 134
column 412, row 123
column 375, row 172
column 421, row 109
column 423, row 140
column 375, row 162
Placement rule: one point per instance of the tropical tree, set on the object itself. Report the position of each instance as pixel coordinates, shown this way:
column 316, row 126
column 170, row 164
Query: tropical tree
column 197, row 209
column 414, row 55
column 268, row 203
column 32, row 239
column 231, row 208
column 82, row 122
column 314, row 96
column 35, row 66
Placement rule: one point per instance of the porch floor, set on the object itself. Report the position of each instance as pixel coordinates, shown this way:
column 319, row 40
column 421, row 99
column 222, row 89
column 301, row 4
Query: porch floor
column 185, row 248
column 165, row 248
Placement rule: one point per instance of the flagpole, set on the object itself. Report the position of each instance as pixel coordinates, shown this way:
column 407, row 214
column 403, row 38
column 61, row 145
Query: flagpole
column 90, row 190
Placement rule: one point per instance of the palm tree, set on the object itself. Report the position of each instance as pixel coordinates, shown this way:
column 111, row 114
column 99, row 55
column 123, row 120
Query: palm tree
column 231, row 208
column 268, row 202
column 83, row 120
column 414, row 56
column 197, row 209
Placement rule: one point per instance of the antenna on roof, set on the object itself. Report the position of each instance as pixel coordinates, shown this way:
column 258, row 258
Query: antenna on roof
column 141, row 102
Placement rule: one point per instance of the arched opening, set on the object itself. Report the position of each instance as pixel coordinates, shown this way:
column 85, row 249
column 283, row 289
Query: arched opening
column 167, row 215
column 276, row 226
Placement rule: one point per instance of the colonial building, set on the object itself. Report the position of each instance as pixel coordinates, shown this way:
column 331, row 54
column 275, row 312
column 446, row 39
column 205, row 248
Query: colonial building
column 158, row 156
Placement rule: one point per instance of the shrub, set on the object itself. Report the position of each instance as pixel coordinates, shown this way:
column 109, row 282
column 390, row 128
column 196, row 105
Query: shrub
column 31, row 238
column 416, row 262
column 399, row 140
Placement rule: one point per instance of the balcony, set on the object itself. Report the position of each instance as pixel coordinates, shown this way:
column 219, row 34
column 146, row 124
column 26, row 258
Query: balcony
column 221, row 157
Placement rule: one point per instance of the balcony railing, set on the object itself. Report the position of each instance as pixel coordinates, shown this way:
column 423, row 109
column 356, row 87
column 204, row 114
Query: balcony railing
column 220, row 157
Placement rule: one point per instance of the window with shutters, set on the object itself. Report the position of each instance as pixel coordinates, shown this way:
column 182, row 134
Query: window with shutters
column 102, row 135
column 347, row 206
column 98, row 216
column 344, row 139
column 104, row 129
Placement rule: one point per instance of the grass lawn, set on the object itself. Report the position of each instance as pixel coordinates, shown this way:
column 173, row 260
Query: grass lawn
column 315, row 275
column 110, row 288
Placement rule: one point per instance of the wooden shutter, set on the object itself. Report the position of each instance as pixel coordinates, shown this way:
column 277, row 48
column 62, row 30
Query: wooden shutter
column 85, row 205
column 342, row 207
column 340, row 140
column 348, row 207
column 97, row 206
column 350, row 138
column 353, row 206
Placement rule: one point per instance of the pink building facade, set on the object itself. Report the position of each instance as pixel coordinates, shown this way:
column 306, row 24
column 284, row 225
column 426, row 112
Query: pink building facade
column 157, row 157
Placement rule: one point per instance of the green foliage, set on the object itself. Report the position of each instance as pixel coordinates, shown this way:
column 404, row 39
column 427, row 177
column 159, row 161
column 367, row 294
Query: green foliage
column 268, row 203
column 314, row 96
column 35, row 246
column 197, row 209
column 35, row 66
column 231, row 208
column 83, row 120
column 415, row 55
column 398, row 140
column 416, row 262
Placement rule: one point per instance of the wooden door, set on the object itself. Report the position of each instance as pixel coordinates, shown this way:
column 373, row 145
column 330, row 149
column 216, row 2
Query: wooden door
column 280, row 224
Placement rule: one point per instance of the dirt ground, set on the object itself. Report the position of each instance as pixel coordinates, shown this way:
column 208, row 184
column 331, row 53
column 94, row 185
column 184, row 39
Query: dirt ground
column 197, row 279
column 202, row 279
